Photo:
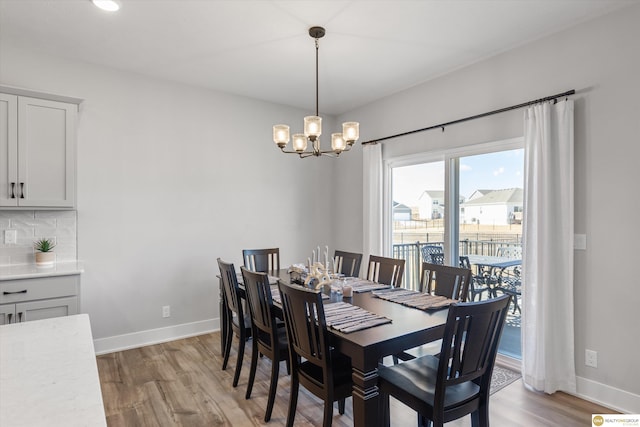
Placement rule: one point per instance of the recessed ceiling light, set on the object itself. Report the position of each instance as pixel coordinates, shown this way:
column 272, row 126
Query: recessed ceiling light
column 108, row 5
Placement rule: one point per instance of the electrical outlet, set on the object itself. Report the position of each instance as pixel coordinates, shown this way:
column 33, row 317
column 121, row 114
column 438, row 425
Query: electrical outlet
column 591, row 358
column 166, row 311
column 10, row 237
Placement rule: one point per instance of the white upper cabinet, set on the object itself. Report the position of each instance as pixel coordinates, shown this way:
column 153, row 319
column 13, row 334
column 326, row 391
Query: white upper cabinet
column 37, row 152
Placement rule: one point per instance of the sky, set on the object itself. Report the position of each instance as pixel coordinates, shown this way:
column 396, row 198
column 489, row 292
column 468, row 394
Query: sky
column 500, row 170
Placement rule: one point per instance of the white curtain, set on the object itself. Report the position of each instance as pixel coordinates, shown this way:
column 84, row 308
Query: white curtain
column 547, row 316
column 372, row 201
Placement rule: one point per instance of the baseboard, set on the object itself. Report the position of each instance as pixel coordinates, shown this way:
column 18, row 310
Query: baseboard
column 154, row 336
column 601, row 394
column 605, row 395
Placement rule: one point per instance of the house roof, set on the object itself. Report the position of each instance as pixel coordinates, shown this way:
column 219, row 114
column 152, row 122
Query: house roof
column 494, row 197
column 434, row 194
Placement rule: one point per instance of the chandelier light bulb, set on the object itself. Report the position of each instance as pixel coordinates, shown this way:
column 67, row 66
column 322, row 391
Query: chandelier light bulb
column 299, row 142
column 351, row 132
column 281, row 135
column 337, row 142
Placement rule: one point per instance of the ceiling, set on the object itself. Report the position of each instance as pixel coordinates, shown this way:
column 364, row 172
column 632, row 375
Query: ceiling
column 261, row 48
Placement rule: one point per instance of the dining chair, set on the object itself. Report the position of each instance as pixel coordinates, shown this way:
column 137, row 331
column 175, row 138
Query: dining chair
column 262, row 260
column 384, row 270
column 347, row 263
column 429, row 250
column 441, row 280
column 478, row 284
column 319, row 368
column 239, row 321
column 268, row 339
column 456, row 382
column 437, row 259
column 444, row 280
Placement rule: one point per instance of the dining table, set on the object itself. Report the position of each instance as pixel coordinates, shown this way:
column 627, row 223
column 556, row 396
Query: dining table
column 409, row 328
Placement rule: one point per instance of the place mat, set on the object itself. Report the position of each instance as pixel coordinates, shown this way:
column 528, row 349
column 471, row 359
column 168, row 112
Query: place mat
column 362, row 285
column 275, row 295
column 347, row 318
column 415, row 299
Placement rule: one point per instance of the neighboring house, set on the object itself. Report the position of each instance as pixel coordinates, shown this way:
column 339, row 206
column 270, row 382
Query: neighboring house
column 431, row 204
column 401, row 212
column 494, row 207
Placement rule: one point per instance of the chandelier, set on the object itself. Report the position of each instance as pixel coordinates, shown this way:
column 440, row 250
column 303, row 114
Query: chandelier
column 313, row 126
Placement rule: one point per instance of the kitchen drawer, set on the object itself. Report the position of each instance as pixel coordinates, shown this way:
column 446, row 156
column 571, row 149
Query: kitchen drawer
column 12, row 291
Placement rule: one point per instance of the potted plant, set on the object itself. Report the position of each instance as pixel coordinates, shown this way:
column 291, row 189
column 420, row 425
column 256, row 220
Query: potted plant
column 44, row 255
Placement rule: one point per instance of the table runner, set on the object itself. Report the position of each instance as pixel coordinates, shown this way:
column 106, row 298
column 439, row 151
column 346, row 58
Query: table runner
column 415, row 299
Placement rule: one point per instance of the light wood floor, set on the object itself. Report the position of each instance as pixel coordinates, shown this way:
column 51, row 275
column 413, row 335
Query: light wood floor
column 181, row 383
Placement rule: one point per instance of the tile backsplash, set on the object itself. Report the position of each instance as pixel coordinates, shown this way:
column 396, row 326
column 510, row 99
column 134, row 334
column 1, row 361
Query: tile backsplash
column 61, row 226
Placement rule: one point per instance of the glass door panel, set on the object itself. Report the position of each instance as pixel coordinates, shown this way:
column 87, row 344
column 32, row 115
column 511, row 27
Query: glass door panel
column 490, row 231
column 418, row 213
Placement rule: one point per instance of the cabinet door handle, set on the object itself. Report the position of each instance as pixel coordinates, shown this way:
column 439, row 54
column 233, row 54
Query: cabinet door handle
column 24, row 291
column 22, row 190
column 13, row 190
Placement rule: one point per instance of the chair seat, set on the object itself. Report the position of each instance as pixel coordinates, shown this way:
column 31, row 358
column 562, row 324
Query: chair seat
column 282, row 340
column 416, row 379
column 247, row 321
column 341, row 367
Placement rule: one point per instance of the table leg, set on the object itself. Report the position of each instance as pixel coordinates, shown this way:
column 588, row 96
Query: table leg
column 366, row 402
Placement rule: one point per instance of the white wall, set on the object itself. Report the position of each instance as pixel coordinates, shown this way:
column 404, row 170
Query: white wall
column 601, row 61
column 171, row 177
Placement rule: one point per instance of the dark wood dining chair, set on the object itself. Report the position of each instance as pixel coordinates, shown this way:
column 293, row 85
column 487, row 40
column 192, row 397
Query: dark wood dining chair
column 239, row 321
column 314, row 364
column 262, row 260
column 456, row 382
column 444, row 280
column 347, row 263
column 441, row 280
column 268, row 339
column 386, row 270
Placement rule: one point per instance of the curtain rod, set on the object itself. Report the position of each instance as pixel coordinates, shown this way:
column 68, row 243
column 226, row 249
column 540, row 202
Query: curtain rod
column 490, row 113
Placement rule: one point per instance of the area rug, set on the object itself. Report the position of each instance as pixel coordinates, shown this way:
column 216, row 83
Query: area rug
column 501, row 378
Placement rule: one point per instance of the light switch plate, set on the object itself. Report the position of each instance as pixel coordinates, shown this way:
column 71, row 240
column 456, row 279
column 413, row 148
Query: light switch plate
column 10, row 237
column 580, row 241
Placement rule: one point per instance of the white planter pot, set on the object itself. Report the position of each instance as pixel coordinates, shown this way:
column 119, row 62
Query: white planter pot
column 45, row 259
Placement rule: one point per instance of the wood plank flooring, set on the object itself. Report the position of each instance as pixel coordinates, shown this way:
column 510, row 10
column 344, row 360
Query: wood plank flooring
column 181, row 383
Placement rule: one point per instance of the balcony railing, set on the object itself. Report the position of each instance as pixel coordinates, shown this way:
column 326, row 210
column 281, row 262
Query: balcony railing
column 412, row 253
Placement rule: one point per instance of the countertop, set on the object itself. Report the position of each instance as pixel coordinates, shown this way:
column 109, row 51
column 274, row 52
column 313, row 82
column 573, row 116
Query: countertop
column 27, row 271
column 49, row 374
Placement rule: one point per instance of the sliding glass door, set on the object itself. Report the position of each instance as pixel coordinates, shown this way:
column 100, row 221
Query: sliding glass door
column 467, row 205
